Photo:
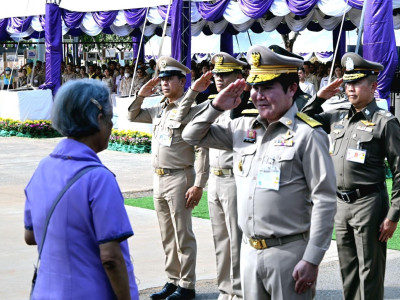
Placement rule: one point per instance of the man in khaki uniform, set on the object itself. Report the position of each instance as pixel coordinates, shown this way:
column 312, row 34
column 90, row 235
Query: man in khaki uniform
column 363, row 135
column 284, row 175
column 311, row 78
column 177, row 187
column 69, row 74
column 222, row 202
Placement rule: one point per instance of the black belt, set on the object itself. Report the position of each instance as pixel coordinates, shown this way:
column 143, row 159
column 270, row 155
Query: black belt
column 362, row 191
column 261, row 244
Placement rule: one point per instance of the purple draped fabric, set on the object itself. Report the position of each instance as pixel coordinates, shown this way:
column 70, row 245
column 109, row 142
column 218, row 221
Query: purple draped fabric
column 42, row 20
column 380, row 43
column 75, row 31
column 356, row 3
column 72, row 19
column 324, row 54
column 212, row 11
column 301, row 7
column 105, row 18
column 135, row 17
column 255, row 8
column 342, row 42
column 53, row 39
column 20, row 24
column 3, row 30
column 226, row 43
column 180, row 27
column 162, row 10
column 137, row 52
column 304, row 54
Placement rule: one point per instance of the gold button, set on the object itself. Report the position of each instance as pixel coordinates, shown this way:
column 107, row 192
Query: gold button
column 289, row 122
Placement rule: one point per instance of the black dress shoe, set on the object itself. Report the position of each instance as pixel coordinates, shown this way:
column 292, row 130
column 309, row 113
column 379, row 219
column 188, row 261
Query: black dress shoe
column 168, row 289
column 182, row 294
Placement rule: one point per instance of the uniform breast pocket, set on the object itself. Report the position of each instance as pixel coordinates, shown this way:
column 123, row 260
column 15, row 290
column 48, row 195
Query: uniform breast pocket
column 175, row 129
column 286, row 161
column 364, row 141
column 243, row 160
column 156, row 125
column 337, row 140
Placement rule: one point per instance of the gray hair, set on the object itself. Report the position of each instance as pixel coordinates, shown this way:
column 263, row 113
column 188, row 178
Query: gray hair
column 77, row 105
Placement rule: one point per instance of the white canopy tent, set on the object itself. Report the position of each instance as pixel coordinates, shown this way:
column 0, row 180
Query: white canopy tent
column 26, row 8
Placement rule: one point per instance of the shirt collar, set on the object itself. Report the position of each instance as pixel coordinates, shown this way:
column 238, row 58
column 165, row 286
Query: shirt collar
column 176, row 102
column 367, row 111
column 74, row 150
column 287, row 119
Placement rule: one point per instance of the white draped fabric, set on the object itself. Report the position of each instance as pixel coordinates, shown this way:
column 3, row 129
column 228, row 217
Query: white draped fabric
column 232, row 15
column 324, row 59
column 26, row 105
column 307, row 56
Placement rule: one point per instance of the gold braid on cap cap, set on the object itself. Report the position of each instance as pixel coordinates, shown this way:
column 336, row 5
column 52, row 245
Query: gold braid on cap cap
column 266, row 73
column 226, row 67
column 354, row 76
column 358, row 73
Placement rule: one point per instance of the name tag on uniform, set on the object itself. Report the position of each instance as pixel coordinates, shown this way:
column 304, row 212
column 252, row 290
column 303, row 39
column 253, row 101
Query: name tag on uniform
column 268, row 176
column 357, row 156
column 364, row 128
column 165, row 139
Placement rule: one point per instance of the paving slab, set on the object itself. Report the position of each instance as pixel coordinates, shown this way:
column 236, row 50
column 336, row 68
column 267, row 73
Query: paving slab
column 18, row 159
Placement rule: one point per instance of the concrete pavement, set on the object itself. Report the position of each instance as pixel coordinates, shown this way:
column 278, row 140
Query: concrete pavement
column 19, row 158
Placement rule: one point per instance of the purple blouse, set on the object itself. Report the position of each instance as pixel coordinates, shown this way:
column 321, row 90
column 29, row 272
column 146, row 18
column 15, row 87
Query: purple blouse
column 90, row 213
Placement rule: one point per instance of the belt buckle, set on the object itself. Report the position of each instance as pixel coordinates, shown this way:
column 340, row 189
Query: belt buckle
column 160, row 171
column 258, row 244
column 218, row 172
column 345, row 197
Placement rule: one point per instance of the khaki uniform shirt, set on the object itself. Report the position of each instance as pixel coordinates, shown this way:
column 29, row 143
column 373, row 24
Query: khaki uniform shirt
column 67, row 77
column 179, row 154
column 311, row 78
column 221, row 159
column 372, row 129
column 306, row 199
column 125, row 86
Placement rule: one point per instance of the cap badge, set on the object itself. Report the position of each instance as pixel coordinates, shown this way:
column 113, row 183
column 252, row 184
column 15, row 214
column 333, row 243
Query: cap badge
column 163, row 64
column 256, row 59
column 349, row 64
column 219, row 59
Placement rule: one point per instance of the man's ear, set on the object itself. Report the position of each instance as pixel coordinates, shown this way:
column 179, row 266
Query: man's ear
column 183, row 81
column 292, row 89
column 374, row 85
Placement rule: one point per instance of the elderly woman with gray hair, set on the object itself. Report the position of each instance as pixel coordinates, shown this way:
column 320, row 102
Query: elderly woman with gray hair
column 74, row 209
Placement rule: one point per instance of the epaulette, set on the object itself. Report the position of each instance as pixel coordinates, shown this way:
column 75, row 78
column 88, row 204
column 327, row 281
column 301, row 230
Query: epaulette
column 385, row 113
column 250, row 112
column 310, row 121
column 212, row 96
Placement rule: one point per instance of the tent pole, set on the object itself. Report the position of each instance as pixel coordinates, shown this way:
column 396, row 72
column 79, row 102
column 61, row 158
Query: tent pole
column 361, row 28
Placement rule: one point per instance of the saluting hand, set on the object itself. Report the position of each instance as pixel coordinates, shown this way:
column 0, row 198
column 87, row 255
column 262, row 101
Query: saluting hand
column 330, row 90
column 149, row 87
column 193, row 196
column 201, row 84
column 387, row 229
column 305, row 274
column 229, row 97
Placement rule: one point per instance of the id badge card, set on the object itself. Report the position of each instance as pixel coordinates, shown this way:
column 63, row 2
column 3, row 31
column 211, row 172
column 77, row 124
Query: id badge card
column 268, row 176
column 357, row 156
column 165, row 139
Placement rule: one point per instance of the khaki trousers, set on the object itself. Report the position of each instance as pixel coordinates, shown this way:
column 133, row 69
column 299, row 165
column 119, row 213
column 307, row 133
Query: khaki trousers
column 175, row 222
column 222, row 205
column 267, row 274
column 362, row 257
